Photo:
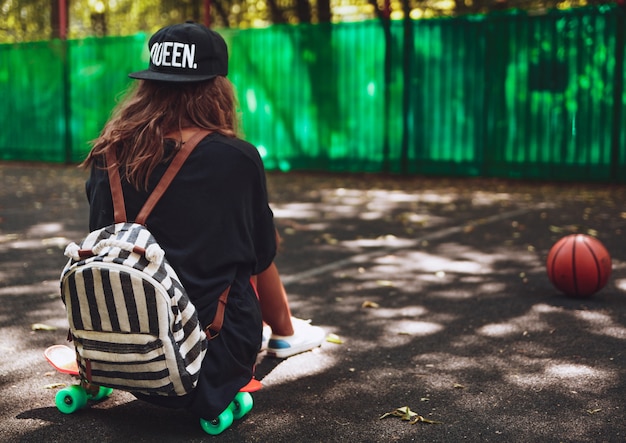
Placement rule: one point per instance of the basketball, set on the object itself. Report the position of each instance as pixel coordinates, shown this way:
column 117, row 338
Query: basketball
column 578, row 265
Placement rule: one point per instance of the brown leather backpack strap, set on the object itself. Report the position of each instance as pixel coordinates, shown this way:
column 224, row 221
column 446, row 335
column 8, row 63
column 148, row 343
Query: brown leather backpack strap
column 119, row 209
column 213, row 330
column 169, row 175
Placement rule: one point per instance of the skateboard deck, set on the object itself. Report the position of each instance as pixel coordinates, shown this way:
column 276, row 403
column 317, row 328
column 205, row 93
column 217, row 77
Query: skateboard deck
column 62, row 358
column 252, row 386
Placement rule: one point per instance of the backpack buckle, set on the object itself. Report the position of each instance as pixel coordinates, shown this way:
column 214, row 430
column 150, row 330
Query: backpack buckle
column 209, row 333
column 213, row 330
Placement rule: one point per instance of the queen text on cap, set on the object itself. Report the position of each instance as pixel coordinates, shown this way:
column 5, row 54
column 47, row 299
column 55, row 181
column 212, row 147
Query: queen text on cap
column 178, row 55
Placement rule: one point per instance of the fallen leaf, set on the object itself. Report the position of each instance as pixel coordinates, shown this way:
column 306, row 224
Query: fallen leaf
column 370, row 304
column 426, row 420
column 406, row 414
column 42, row 327
column 329, row 239
column 333, row 338
column 384, row 283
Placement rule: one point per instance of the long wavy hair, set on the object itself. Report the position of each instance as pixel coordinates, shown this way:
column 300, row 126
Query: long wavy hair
column 151, row 110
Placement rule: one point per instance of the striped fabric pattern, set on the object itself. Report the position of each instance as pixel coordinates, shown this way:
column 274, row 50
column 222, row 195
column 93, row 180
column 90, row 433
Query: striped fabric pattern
column 132, row 323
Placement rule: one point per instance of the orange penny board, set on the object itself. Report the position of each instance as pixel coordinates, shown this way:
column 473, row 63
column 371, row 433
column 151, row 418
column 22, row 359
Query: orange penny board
column 63, row 359
column 252, row 386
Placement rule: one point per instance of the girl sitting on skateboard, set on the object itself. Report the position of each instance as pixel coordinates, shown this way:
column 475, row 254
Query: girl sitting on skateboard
column 214, row 221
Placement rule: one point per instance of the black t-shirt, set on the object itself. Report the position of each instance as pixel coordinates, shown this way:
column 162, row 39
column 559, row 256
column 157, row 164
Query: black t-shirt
column 216, row 227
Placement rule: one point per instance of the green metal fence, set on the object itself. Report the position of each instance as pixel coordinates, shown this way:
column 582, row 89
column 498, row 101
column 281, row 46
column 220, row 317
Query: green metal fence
column 503, row 95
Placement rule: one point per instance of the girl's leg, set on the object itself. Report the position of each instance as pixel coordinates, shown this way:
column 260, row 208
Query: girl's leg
column 273, row 300
column 289, row 335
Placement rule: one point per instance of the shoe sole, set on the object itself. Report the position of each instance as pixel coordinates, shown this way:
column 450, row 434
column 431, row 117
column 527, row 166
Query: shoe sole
column 286, row 353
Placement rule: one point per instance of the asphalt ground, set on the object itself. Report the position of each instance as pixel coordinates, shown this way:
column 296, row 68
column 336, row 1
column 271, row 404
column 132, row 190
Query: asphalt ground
column 434, row 290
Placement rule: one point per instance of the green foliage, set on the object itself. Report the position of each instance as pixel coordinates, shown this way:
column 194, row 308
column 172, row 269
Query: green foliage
column 25, row 20
column 30, row 20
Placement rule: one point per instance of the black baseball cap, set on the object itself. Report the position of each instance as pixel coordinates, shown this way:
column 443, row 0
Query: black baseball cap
column 187, row 52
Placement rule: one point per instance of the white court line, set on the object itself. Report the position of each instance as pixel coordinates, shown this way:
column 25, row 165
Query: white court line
column 361, row 258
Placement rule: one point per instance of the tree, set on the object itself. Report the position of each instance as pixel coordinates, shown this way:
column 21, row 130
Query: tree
column 26, row 20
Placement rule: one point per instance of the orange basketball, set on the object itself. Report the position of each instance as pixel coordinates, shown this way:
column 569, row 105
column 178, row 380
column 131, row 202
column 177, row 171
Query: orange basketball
column 578, row 265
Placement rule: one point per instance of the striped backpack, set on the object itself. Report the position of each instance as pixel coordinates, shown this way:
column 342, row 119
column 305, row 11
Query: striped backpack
column 131, row 321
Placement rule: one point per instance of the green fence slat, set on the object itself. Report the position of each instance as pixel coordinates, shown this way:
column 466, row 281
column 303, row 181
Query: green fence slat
column 32, row 113
column 99, row 77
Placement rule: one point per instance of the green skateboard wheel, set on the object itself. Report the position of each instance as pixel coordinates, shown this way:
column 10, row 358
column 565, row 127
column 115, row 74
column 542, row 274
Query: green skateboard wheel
column 219, row 424
column 71, row 399
column 103, row 392
column 241, row 405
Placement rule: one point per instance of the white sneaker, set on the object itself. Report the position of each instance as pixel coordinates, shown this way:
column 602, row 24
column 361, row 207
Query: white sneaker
column 304, row 338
